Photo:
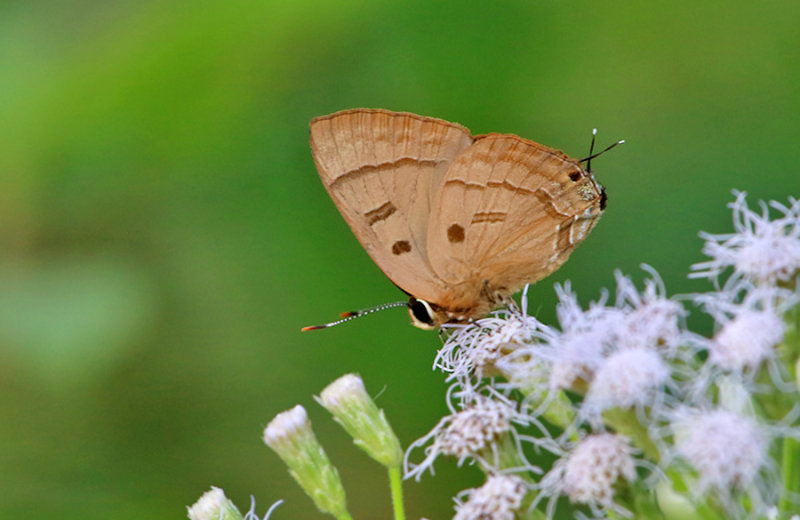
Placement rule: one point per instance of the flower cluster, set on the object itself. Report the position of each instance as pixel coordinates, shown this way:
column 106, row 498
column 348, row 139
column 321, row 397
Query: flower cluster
column 624, row 395
column 619, row 411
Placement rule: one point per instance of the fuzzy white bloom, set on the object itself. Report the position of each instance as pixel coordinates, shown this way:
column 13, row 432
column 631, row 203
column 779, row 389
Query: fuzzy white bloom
column 577, row 359
column 590, row 472
column 726, row 449
column 596, row 340
column 475, row 349
column 498, row 499
column 585, row 336
column 747, row 340
column 761, row 250
column 638, row 321
column 651, row 319
column 468, row 433
column 629, row 377
column 472, row 429
column 749, row 329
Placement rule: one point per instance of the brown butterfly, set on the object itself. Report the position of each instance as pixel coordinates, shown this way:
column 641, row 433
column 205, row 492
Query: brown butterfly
column 458, row 222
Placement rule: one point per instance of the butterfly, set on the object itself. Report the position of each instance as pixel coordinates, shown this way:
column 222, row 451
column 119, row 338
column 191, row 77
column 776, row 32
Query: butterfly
column 457, row 222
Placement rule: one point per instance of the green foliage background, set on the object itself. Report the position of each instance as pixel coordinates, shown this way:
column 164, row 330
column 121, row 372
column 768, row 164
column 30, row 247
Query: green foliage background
column 164, row 235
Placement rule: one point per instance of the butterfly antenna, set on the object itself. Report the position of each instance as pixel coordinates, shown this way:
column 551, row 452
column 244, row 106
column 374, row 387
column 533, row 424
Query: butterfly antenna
column 591, row 150
column 351, row 315
column 592, row 155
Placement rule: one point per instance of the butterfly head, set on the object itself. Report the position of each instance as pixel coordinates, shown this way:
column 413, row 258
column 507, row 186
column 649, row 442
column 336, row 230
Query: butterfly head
column 429, row 316
column 422, row 314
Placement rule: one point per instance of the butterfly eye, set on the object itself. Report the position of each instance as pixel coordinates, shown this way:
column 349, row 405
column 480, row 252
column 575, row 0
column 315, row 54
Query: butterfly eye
column 421, row 313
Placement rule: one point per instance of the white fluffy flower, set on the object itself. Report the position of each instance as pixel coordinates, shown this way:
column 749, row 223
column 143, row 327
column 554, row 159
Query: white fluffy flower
column 577, row 357
column 651, row 319
column 578, row 349
column 747, row 340
column 474, row 350
column 467, row 433
column 629, row 377
column 498, row 499
column 761, row 250
column 749, row 329
column 726, row 449
column 590, row 472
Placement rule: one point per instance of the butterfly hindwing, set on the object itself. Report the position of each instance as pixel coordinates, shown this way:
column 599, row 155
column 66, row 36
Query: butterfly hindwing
column 509, row 212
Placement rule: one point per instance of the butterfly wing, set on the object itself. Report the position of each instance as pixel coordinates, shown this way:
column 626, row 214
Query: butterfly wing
column 510, row 211
column 379, row 168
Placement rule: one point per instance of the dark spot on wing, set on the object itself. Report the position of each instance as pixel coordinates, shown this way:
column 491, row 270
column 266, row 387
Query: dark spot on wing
column 574, row 176
column 455, row 234
column 400, row 247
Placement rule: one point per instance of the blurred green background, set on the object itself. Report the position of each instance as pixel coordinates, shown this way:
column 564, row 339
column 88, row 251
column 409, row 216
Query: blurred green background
column 164, row 234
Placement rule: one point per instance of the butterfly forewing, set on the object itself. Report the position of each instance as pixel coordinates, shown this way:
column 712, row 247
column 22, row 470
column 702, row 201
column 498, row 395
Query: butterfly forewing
column 380, row 168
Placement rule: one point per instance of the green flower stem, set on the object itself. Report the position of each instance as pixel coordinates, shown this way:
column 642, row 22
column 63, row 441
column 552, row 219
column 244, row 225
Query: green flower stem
column 791, row 472
column 791, row 341
column 626, row 423
column 396, row 483
column 525, row 513
column 674, row 502
column 789, row 351
column 508, row 457
column 561, row 411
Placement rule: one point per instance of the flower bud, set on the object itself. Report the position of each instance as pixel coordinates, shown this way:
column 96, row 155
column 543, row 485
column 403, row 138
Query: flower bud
column 347, row 400
column 290, row 435
column 214, row 505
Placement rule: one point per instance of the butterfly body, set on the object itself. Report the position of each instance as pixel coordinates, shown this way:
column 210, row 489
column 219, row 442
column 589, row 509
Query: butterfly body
column 458, row 222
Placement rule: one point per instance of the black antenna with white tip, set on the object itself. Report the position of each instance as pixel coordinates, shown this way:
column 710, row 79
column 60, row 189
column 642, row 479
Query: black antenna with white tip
column 592, row 155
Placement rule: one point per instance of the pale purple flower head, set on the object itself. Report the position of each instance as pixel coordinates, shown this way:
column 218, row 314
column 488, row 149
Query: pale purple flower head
column 748, row 330
column 631, row 377
column 761, row 250
column 584, row 338
column 474, row 350
column 727, row 449
column 469, row 433
column 498, row 499
column 651, row 319
column 589, row 473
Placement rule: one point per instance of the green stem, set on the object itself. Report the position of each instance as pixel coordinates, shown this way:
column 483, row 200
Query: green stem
column 561, row 411
column 344, row 516
column 791, row 473
column 626, row 422
column 396, row 483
